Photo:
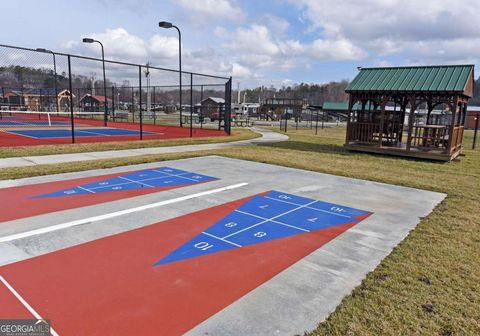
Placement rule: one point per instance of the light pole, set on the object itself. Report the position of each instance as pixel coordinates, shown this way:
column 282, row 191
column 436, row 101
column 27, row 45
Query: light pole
column 54, row 72
column 167, row 25
column 90, row 40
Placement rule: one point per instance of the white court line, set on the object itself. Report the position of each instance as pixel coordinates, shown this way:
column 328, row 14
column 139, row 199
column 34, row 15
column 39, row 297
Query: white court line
column 137, row 182
column 271, row 219
column 90, row 191
column 224, row 240
column 25, row 303
column 116, row 214
column 90, row 131
column 326, row 211
column 177, row 175
column 27, row 136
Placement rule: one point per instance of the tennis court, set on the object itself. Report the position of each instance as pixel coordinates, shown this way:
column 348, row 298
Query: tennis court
column 25, row 128
column 196, row 246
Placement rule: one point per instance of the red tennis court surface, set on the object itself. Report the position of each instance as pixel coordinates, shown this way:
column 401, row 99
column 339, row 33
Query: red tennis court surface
column 113, row 286
column 155, row 132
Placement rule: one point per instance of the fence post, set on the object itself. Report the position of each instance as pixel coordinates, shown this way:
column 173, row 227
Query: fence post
column 79, row 100
column 71, row 98
column 316, row 124
column 477, row 116
column 191, row 104
column 132, row 106
column 228, row 106
column 201, row 107
column 113, row 103
column 140, row 100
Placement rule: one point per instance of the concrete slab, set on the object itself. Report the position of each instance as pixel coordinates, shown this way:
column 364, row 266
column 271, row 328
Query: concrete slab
column 294, row 300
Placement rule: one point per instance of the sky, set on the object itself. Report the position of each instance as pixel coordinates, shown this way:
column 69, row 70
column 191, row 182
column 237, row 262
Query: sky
column 264, row 42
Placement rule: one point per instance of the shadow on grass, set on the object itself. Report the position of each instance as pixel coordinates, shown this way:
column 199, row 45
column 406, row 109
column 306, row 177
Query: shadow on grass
column 310, row 147
column 340, row 150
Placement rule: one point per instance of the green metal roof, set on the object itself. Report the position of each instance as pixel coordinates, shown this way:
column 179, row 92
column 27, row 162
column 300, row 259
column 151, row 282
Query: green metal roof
column 332, row 106
column 341, row 106
column 441, row 78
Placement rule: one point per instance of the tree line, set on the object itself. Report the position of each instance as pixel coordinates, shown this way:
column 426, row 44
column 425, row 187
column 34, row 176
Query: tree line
column 16, row 77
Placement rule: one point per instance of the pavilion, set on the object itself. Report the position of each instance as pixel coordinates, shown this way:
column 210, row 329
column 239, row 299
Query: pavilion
column 384, row 105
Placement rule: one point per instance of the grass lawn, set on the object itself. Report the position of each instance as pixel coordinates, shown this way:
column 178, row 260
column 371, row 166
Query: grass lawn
column 430, row 283
column 237, row 134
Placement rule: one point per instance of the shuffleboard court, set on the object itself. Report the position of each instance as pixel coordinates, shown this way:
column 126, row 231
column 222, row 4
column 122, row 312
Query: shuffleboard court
column 253, row 249
column 36, row 199
column 179, row 280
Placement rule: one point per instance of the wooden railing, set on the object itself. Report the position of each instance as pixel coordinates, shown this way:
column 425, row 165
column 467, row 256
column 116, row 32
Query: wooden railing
column 457, row 137
column 430, row 136
column 363, row 132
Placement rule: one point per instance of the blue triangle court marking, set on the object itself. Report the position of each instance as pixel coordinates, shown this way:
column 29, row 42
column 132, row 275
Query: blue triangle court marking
column 148, row 178
column 263, row 218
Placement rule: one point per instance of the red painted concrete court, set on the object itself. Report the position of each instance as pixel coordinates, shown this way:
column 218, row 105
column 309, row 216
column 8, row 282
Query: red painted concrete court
column 21, row 201
column 110, row 286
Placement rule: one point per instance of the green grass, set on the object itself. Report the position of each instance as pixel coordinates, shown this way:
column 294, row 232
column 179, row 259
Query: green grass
column 430, row 283
column 237, row 134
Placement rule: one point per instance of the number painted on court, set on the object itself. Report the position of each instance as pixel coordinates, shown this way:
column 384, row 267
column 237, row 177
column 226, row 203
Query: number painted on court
column 203, row 246
column 337, row 209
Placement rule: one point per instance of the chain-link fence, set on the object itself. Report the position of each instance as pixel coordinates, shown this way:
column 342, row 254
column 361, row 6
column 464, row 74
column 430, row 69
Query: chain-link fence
column 143, row 98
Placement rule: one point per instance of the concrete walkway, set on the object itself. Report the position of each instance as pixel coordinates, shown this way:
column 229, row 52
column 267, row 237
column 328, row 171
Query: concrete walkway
column 267, row 137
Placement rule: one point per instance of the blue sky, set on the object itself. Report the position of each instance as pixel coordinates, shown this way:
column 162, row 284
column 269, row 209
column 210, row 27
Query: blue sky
column 271, row 42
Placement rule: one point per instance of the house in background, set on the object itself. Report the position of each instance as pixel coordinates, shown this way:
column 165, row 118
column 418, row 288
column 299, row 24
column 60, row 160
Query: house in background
column 473, row 112
column 14, row 98
column 211, row 105
column 90, row 103
column 36, row 99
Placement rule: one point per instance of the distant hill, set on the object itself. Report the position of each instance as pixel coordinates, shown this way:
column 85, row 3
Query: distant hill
column 316, row 94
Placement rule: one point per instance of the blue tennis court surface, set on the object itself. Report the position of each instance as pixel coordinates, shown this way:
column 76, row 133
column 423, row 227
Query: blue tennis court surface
column 79, row 132
column 149, row 178
column 263, row 218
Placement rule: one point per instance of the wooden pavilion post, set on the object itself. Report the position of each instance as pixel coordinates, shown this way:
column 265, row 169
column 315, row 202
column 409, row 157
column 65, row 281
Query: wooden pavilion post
column 381, row 129
column 349, row 118
column 403, row 107
column 464, row 113
column 454, row 108
column 411, row 116
column 429, row 110
column 381, row 126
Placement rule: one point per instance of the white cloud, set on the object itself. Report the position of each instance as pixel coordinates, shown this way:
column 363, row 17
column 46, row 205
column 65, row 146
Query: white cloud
column 392, row 27
column 256, row 47
column 163, row 47
column 119, row 43
column 277, row 24
column 256, row 39
column 340, row 49
column 213, row 8
column 240, row 71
